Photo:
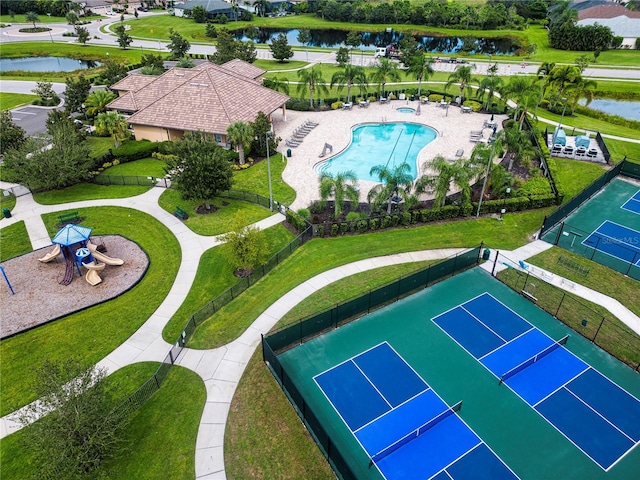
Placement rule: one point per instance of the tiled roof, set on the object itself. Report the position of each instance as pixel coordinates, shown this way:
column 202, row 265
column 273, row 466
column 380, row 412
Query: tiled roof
column 133, row 82
column 208, row 98
column 607, row 11
column 621, row 26
column 243, row 68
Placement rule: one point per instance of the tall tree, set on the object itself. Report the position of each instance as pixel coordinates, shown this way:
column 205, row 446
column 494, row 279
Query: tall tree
column 114, row 124
column 349, row 75
column 45, row 163
column 462, row 76
column 76, row 93
column 394, row 182
column 77, row 429
column 561, row 78
column 124, row 39
column 488, row 86
column 583, row 88
column 353, row 40
column 341, row 187
column 200, row 169
column 97, row 101
column 261, row 7
column 462, row 173
column 278, row 84
column 280, row 48
column 518, row 144
column 83, row 35
column 11, row 135
column 310, row 80
column 72, row 19
column 112, row 72
column 179, row 46
column 240, row 134
column 385, row 70
column 48, row 96
column 420, row 67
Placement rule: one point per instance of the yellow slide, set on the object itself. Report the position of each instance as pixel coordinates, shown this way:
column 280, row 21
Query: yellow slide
column 92, row 276
column 51, row 255
column 93, row 248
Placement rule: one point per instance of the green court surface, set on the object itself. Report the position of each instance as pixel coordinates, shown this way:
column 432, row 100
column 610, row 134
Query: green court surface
column 520, row 436
column 604, row 207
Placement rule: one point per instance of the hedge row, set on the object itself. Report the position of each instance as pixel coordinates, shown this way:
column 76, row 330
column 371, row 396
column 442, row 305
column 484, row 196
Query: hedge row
column 448, row 212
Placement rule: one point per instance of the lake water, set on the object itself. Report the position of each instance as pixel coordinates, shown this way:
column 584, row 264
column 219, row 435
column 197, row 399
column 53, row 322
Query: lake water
column 623, row 108
column 45, row 64
column 370, row 40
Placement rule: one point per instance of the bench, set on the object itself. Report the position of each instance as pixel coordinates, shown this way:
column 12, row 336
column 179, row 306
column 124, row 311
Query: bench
column 574, row 266
column 180, row 213
column 71, row 217
column 568, row 283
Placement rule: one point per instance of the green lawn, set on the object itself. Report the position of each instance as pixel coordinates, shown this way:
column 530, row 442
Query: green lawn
column 99, row 145
column 320, row 255
column 582, row 123
column 214, row 276
column 14, row 241
column 143, row 168
column 87, row 191
column 8, row 201
column 13, row 100
column 620, row 149
column 220, row 220
column 160, row 439
column 93, row 333
column 255, row 179
column 575, row 175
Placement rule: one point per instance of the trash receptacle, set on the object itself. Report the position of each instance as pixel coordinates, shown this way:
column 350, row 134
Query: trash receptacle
column 288, row 153
column 486, row 254
column 6, row 213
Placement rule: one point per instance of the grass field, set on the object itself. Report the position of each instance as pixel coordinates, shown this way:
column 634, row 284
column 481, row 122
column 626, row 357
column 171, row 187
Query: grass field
column 13, row 100
column 575, row 175
column 143, row 168
column 14, row 241
column 87, row 191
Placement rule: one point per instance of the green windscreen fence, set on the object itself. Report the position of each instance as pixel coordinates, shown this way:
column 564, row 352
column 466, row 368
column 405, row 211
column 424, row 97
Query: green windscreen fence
column 564, row 210
column 631, row 168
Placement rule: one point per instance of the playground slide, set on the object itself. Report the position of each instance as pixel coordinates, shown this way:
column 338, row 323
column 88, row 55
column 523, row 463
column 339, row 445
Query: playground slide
column 51, row 255
column 92, row 276
column 101, row 257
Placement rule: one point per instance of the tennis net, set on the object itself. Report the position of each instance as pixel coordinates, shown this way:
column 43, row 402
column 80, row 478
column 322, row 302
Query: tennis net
column 530, row 361
column 415, row 433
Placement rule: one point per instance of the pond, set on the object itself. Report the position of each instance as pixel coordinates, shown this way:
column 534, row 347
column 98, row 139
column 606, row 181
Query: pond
column 370, row 40
column 623, row 108
column 45, row 64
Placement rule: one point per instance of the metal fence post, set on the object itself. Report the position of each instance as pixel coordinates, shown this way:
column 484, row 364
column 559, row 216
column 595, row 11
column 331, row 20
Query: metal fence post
column 493, row 270
column 560, row 304
column 598, row 330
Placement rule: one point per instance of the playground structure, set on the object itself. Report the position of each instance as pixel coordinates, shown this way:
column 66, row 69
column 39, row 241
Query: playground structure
column 72, row 241
column 6, row 279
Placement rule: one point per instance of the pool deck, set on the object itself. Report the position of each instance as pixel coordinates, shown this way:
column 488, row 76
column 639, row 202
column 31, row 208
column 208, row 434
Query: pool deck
column 453, row 128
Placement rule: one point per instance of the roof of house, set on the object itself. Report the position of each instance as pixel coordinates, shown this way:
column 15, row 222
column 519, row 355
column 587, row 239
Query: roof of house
column 584, row 4
column 208, row 97
column 621, row 26
column 243, row 68
column 606, row 11
column 209, row 5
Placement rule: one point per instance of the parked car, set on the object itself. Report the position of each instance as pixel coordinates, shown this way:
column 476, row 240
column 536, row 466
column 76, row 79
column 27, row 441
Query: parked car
column 143, row 9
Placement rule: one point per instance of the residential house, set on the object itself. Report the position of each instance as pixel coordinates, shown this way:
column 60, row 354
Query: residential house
column 622, row 22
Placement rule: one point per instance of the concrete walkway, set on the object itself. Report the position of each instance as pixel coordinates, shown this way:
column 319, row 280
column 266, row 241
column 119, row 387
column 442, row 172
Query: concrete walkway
column 221, row 368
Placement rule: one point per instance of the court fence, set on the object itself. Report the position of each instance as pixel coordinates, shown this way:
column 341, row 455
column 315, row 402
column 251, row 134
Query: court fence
column 590, row 321
column 565, row 210
column 312, row 326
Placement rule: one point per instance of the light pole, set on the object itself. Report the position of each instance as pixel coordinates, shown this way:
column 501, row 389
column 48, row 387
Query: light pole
column 486, row 176
column 555, row 134
column 268, row 134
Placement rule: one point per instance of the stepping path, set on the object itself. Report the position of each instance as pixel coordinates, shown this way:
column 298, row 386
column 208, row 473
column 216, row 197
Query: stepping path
column 221, row 368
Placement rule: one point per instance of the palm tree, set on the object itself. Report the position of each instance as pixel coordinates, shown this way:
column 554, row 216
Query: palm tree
column 240, row 134
column 114, row 124
column 349, row 75
column 462, row 75
column 583, row 88
column 32, row 17
column 545, row 68
column 518, row 144
column 396, row 182
column 310, row 79
column 278, row 84
column 97, row 101
column 462, row 173
column 342, row 186
column 561, row 78
column 489, row 85
column 385, row 70
column 524, row 92
column 420, row 67
column 261, row 7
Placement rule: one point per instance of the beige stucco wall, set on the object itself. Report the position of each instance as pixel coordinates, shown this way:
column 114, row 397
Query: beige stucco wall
column 158, row 134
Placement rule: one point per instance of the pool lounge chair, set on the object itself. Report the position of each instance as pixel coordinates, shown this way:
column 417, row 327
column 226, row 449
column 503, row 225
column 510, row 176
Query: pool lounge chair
column 292, row 143
column 384, row 99
column 347, row 106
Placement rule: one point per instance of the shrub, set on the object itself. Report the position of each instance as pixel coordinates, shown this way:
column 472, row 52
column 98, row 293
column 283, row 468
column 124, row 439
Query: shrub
column 362, row 226
column 406, row 218
column 386, row 221
column 131, row 150
column 334, row 229
column 344, row 228
column 320, row 231
column 475, row 106
column 415, row 216
column 435, row 97
column 336, row 105
column 317, row 207
column 395, row 220
column 374, row 223
column 353, row 216
column 534, row 186
column 296, row 221
column 304, row 213
column 298, row 104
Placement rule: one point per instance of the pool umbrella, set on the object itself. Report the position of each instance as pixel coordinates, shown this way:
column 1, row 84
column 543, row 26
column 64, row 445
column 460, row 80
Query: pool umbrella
column 492, row 117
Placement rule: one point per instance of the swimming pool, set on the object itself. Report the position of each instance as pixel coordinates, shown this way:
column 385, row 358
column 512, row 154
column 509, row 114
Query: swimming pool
column 372, row 144
column 406, row 110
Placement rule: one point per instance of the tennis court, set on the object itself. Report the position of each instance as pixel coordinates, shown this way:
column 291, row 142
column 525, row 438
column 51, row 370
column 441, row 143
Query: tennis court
column 386, row 389
column 595, row 414
column 633, row 204
column 397, row 417
column 605, row 229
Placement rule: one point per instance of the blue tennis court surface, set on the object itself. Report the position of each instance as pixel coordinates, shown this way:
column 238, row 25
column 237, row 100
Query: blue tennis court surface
column 633, row 204
column 402, row 424
column 595, row 414
column 616, row 240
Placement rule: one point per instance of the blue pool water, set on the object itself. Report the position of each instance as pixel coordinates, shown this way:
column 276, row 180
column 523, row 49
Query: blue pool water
column 406, row 110
column 388, row 144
